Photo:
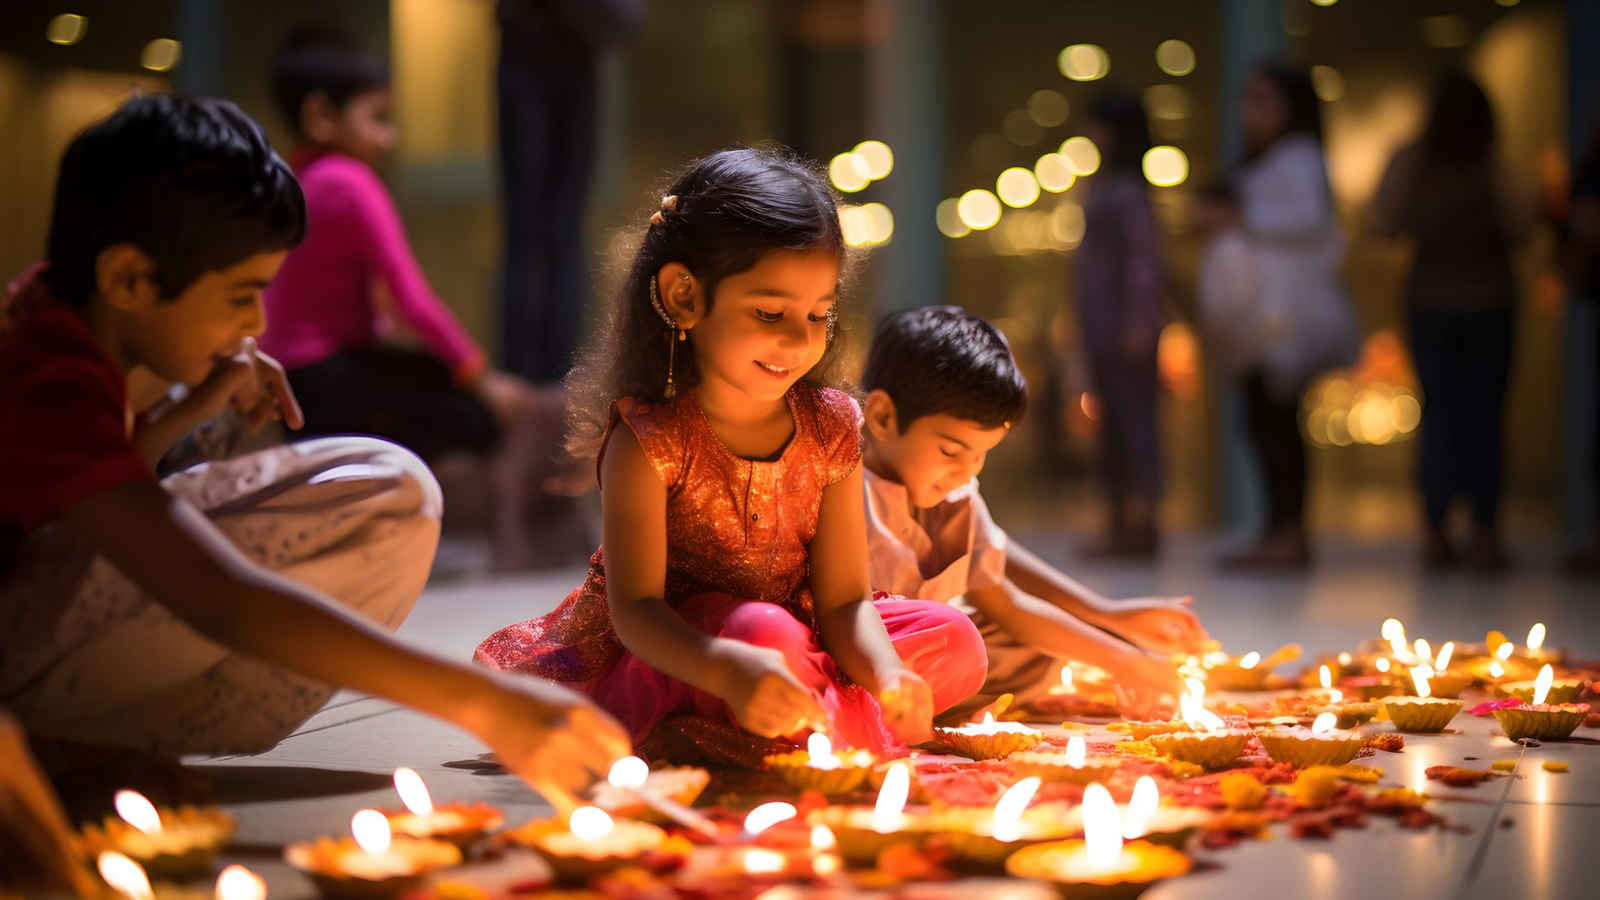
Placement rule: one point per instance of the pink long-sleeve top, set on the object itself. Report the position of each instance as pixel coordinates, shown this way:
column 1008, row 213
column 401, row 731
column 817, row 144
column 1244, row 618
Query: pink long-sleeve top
column 321, row 303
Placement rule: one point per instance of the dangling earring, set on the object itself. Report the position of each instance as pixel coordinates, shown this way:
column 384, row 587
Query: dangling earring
column 672, row 324
column 833, row 325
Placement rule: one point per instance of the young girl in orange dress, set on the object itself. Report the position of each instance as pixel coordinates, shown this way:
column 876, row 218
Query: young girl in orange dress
column 729, row 604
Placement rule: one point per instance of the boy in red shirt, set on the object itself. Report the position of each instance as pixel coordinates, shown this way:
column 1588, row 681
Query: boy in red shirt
column 216, row 610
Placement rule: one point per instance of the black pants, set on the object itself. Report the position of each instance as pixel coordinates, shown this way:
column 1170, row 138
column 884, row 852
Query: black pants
column 1274, row 426
column 1130, row 449
column 402, row 395
column 1464, row 363
column 547, row 137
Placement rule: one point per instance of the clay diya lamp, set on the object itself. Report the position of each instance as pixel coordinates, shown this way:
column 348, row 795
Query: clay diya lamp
column 1536, row 654
column 1248, row 672
column 166, row 842
column 1071, row 767
column 820, row 768
column 128, row 879
column 1146, row 818
column 632, row 784
column 588, row 843
column 1323, row 744
column 1556, row 690
column 1101, row 866
column 1422, row 713
column 988, row 739
column 981, row 839
column 462, row 824
column 1539, row 720
column 371, row 863
column 1329, row 700
column 864, row 833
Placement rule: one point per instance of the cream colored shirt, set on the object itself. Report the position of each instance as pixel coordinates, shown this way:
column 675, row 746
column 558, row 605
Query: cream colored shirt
column 935, row 554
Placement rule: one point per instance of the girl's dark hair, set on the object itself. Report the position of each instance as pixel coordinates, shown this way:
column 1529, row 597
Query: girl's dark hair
column 1460, row 123
column 734, row 207
column 190, row 181
column 322, row 59
column 1305, row 108
column 1130, row 130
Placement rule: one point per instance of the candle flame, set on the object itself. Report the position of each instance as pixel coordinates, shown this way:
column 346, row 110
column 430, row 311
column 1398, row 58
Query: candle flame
column 1345, row 657
column 767, row 815
column 1066, row 676
column 1541, row 684
column 1497, row 670
column 1424, row 650
column 124, row 875
column 1326, row 676
column 1197, row 688
column 823, row 838
column 1419, row 677
column 886, row 813
column 1324, row 723
column 826, row 864
column 1102, row 827
column 1077, row 751
column 1141, row 806
column 1382, row 664
column 371, row 831
column 1249, row 660
column 1392, row 629
column 1192, row 711
column 1504, row 651
column 629, row 773
column 761, row 861
column 137, row 811
column 819, row 751
column 590, row 823
column 1008, row 810
column 1445, row 653
column 1536, row 636
column 413, row 793
column 1335, row 695
column 238, row 883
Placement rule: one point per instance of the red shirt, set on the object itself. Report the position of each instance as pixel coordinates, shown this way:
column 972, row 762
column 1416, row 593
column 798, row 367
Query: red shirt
column 66, row 432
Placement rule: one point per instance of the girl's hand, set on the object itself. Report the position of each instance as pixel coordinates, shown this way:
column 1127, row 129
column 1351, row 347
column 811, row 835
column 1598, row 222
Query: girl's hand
column 1146, row 685
column 1158, row 624
column 551, row 737
column 766, row 698
column 907, row 704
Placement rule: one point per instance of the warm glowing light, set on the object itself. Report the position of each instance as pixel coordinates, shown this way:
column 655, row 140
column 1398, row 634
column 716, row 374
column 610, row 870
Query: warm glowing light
column 161, row 55
column 590, row 823
column 1047, row 108
column 629, row 773
column 1250, row 660
column 1008, row 810
column 1066, row 678
column 1496, row 670
column 1084, row 62
column 1327, row 82
column 1166, row 102
column 1536, row 636
column 138, row 812
column 767, row 815
column 879, row 158
column 1391, row 628
column 1345, row 658
column 1082, row 154
column 761, row 861
column 979, row 209
column 1326, row 676
column 820, row 750
column 1054, row 173
column 238, row 883
column 887, row 812
column 1141, row 806
column 946, row 216
column 1191, row 710
column 371, row 830
column 1382, row 664
column 66, row 29
column 880, row 223
column 1175, row 57
column 1445, row 653
column 849, row 172
column 1077, row 751
column 1165, row 166
column 1066, row 228
column 1419, row 677
column 1504, row 651
column 1423, row 648
column 1102, row 827
column 1324, row 723
column 124, row 875
column 1197, row 688
column 1541, row 684
column 413, row 793
column 1017, row 187
column 1324, row 2
column 823, row 838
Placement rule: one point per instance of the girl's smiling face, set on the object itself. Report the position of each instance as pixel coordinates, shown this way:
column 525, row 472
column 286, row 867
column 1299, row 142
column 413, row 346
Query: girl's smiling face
column 767, row 327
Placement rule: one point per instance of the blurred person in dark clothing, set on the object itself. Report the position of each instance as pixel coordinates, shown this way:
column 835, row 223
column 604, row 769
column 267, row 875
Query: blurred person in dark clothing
column 549, row 82
column 1464, row 214
column 1581, row 253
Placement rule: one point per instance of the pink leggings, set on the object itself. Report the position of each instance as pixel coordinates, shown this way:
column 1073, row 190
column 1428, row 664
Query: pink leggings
column 935, row 640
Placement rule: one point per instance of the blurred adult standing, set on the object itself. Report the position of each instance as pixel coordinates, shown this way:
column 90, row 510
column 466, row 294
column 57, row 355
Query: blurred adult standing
column 1119, row 303
column 1302, row 322
column 549, row 92
column 1460, row 208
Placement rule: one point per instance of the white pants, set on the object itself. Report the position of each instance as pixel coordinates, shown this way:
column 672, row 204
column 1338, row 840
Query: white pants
column 86, row 656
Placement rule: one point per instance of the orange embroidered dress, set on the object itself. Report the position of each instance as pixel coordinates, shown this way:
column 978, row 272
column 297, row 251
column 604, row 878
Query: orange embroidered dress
column 738, row 532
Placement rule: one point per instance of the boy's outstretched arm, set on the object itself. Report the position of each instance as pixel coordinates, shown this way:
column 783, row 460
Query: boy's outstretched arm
column 1157, row 624
column 550, row 736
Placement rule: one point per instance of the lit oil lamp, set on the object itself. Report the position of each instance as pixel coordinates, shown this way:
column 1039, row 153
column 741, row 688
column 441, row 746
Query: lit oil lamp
column 864, row 833
column 1212, row 744
column 1322, row 744
column 1071, row 767
column 982, row 839
column 170, row 843
column 588, row 843
column 462, row 824
column 633, row 790
column 1423, row 713
column 373, row 862
column 1146, row 817
column 820, row 768
column 988, row 739
column 1536, row 654
column 128, row 879
column 1100, row 865
column 1538, row 720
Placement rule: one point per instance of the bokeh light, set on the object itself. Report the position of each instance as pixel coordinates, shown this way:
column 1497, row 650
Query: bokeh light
column 1017, row 187
column 879, row 158
column 1020, row 129
column 979, row 209
column 1047, row 108
column 1327, row 82
column 1166, row 102
column 1165, row 166
column 849, row 172
column 1054, row 173
column 1175, row 57
column 1324, row 2
column 1373, row 403
column 161, row 55
column 1067, row 225
column 1084, row 62
column 66, row 29
column 869, row 225
column 1082, row 154
column 949, row 220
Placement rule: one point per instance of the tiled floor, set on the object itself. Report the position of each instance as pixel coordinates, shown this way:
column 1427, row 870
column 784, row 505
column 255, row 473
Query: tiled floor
column 341, row 759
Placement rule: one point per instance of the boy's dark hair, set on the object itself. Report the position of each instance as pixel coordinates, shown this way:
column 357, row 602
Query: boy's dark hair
column 945, row 360
column 733, row 208
column 322, row 59
column 190, row 181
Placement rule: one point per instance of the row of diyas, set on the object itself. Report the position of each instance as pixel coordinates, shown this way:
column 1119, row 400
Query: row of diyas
column 129, row 879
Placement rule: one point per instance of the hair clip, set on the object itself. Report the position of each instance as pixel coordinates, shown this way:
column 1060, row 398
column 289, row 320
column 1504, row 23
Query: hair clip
column 1008, row 425
column 669, row 203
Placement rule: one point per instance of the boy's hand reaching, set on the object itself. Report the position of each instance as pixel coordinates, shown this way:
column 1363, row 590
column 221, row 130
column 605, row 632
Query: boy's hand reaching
column 907, row 704
column 766, row 698
column 553, row 738
column 1158, row 624
column 1146, row 685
